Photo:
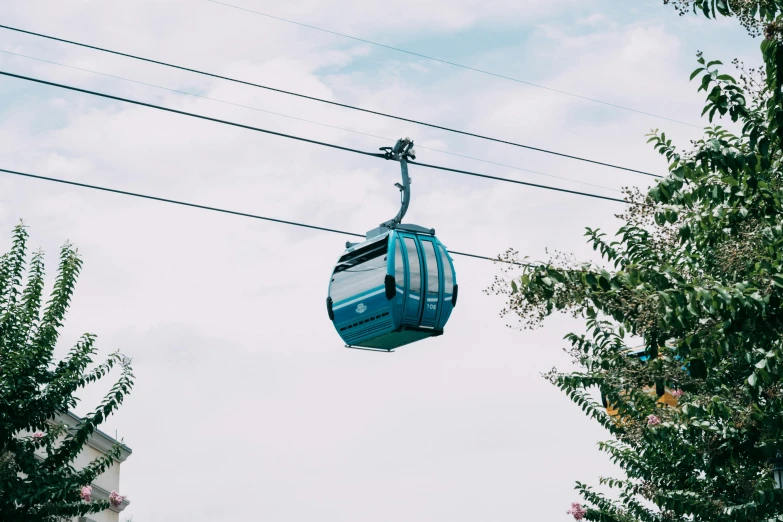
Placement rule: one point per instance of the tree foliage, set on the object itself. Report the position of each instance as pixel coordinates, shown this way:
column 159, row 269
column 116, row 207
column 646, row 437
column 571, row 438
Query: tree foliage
column 37, row 479
column 696, row 273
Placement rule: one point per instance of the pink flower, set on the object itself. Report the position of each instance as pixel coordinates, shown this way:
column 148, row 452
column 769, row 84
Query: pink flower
column 577, row 511
column 38, row 435
column 115, row 499
column 86, row 493
column 653, row 420
column 677, row 393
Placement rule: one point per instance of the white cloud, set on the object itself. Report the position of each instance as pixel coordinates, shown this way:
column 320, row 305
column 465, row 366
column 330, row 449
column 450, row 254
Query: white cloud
column 244, row 392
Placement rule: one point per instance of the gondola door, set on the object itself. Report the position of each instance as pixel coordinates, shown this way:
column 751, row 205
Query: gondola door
column 413, row 301
column 432, row 283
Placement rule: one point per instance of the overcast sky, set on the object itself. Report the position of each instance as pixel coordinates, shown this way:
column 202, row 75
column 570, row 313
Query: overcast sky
column 247, row 407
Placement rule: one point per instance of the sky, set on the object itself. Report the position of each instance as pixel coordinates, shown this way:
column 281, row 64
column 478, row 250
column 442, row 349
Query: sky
column 246, row 404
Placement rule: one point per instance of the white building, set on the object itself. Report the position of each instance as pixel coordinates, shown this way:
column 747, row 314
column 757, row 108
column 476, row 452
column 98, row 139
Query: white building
column 98, row 445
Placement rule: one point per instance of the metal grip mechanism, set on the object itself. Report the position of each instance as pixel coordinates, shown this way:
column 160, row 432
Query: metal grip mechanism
column 402, row 152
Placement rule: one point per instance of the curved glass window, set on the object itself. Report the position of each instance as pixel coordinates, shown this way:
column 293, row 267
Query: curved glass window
column 359, row 271
column 399, row 274
column 413, row 265
column 432, row 267
column 399, row 264
column 448, row 273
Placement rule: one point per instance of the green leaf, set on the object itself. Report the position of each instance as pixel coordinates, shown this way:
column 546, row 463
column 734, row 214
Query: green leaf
column 764, row 146
column 696, row 72
column 705, row 82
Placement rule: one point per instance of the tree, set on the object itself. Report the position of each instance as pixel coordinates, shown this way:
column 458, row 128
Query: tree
column 37, row 480
column 695, row 275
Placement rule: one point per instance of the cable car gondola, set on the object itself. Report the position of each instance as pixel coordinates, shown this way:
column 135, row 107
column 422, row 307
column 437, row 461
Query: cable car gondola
column 396, row 287
column 659, row 390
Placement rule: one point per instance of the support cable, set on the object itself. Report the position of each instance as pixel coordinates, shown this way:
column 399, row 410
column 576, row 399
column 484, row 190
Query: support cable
column 217, row 209
column 297, row 138
column 508, row 180
column 191, row 114
column 386, row 140
column 321, row 100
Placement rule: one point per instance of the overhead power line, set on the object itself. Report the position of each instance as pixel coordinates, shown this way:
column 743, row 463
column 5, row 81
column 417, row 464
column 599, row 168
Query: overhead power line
column 297, row 138
column 385, row 139
column 221, row 210
column 454, row 64
column 321, row 100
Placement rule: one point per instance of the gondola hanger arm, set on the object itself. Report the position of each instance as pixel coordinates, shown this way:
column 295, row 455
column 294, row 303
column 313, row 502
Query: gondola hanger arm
column 402, row 152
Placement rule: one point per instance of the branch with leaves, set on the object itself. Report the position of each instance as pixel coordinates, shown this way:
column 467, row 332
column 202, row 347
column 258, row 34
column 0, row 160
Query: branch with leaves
column 694, row 276
column 38, row 482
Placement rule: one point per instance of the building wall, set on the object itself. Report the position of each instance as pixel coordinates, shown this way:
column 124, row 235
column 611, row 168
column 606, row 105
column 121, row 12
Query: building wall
column 97, row 446
column 102, row 486
column 110, row 480
column 103, row 516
